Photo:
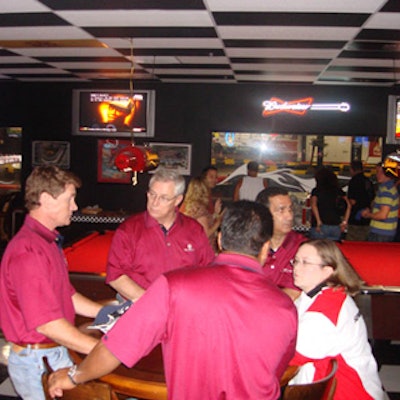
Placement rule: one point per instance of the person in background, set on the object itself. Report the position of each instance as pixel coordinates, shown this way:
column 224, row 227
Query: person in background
column 330, row 207
column 330, row 324
column 385, row 207
column 248, row 187
column 360, row 193
column 37, row 302
column 195, row 205
column 217, row 324
column 157, row 240
column 284, row 242
column 210, row 177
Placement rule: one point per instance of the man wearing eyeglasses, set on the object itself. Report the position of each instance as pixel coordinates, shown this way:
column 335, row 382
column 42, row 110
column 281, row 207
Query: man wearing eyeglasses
column 226, row 331
column 156, row 241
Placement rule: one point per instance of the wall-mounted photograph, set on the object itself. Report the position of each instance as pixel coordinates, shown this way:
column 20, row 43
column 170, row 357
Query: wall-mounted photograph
column 176, row 156
column 49, row 152
column 107, row 172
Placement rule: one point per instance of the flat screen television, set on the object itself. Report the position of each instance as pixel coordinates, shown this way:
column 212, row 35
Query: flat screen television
column 393, row 120
column 113, row 113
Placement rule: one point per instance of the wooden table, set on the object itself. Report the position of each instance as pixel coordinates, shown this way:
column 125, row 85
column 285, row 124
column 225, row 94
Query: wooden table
column 146, row 379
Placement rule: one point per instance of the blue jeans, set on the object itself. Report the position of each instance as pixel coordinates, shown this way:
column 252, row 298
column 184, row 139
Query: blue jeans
column 26, row 368
column 376, row 237
column 331, row 232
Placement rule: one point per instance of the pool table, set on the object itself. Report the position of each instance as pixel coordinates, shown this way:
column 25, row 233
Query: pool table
column 89, row 254
column 376, row 263
column 87, row 260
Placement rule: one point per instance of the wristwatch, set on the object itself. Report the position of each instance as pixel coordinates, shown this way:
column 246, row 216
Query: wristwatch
column 71, row 374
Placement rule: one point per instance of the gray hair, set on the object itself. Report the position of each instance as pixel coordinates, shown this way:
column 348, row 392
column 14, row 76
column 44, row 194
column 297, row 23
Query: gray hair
column 167, row 175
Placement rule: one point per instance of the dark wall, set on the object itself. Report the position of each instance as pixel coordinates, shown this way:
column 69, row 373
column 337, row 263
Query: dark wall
column 184, row 114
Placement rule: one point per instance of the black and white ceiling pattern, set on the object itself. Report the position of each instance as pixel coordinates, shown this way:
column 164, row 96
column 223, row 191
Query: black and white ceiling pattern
column 351, row 42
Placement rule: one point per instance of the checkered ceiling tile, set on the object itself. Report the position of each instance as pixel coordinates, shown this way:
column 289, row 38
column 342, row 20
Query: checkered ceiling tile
column 353, row 42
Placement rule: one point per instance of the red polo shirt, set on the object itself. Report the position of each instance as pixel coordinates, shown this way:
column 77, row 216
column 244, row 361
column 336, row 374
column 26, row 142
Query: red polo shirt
column 34, row 284
column 226, row 331
column 142, row 250
column 277, row 267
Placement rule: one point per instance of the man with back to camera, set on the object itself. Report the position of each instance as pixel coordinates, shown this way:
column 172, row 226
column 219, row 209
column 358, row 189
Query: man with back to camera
column 227, row 332
column 360, row 193
column 157, row 240
column 37, row 302
column 249, row 186
column 284, row 242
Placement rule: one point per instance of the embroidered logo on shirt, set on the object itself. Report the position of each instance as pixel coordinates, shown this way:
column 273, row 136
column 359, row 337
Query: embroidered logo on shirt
column 189, row 248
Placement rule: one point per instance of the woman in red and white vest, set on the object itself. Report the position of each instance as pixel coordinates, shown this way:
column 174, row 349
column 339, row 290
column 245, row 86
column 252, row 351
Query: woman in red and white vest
column 330, row 324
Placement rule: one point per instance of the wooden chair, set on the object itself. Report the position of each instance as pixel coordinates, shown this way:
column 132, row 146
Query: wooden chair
column 87, row 391
column 323, row 389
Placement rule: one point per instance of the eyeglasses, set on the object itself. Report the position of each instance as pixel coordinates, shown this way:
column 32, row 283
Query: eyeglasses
column 294, row 262
column 162, row 198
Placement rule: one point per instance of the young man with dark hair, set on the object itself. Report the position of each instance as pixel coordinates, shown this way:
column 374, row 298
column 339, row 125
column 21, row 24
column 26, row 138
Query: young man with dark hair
column 226, row 330
column 248, row 187
column 284, row 241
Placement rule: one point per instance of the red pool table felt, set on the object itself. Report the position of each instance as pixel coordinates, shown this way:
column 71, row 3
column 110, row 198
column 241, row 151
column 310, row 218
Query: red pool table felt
column 376, row 263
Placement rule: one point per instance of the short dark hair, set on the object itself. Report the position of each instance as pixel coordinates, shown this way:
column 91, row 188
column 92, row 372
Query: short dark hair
column 47, row 179
column 206, row 169
column 357, row 165
column 264, row 196
column 252, row 166
column 245, row 227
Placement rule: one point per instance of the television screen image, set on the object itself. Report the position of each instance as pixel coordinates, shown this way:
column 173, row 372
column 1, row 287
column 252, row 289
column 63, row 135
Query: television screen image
column 113, row 113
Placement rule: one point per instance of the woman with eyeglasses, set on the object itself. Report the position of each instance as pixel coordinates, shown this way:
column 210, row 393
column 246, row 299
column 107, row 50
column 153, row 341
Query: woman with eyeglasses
column 330, row 324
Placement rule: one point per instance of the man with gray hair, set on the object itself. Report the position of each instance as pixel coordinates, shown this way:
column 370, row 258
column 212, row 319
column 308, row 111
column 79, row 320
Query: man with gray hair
column 226, row 331
column 157, row 240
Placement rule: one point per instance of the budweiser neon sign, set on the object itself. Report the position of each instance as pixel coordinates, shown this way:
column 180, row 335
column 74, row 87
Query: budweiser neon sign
column 300, row 106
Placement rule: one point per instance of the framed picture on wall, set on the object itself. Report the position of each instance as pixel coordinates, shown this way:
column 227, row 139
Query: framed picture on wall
column 176, row 156
column 49, row 152
column 107, row 172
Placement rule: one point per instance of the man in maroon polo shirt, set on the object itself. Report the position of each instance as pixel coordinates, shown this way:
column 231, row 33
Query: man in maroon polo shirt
column 226, row 330
column 37, row 302
column 284, row 241
column 156, row 241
